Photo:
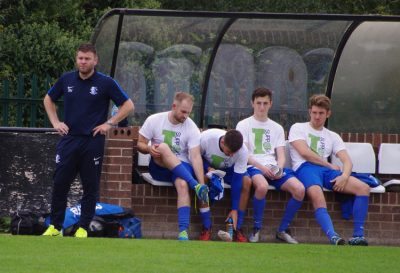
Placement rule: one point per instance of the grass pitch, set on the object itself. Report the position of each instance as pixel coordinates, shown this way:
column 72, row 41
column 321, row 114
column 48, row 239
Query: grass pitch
column 43, row 254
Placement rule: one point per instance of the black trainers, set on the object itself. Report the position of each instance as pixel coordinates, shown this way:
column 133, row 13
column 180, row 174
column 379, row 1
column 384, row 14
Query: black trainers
column 358, row 241
column 337, row 240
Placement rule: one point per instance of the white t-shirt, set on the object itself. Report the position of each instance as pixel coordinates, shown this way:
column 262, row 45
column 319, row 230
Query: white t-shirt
column 210, row 150
column 262, row 138
column 323, row 142
column 180, row 137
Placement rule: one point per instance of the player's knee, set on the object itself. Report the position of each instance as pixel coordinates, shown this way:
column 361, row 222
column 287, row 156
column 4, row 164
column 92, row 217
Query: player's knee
column 181, row 186
column 316, row 195
column 163, row 148
column 261, row 189
column 299, row 191
column 363, row 189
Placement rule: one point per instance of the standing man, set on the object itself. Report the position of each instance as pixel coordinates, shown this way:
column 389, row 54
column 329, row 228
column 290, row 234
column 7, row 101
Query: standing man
column 311, row 145
column 223, row 150
column 265, row 140
column 175, row 143
column 87, row 94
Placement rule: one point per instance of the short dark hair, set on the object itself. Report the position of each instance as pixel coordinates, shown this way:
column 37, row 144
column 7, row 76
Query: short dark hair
column 87, row 47
column 261, row 92
column 233, row 139
column 320, row 100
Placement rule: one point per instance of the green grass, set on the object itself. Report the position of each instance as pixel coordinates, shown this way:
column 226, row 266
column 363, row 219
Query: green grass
column 43, row 254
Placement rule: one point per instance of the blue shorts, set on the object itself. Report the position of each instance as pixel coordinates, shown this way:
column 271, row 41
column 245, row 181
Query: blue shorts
column 277, row 183
column 164, row 174
column 311, row 174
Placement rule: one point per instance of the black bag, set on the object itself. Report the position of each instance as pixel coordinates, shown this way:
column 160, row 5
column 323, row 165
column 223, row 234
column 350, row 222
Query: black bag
column 26, row 222
column 104, row 227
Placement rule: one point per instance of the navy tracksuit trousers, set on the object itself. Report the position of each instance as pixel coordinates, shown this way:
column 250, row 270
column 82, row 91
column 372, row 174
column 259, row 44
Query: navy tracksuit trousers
column 83, row 155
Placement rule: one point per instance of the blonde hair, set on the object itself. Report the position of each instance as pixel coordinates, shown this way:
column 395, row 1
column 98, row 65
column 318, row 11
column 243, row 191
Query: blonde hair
column 180, row 96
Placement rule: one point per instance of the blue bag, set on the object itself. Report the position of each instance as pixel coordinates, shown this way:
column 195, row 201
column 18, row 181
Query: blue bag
column 215, row 188
column 367, row 178
column 106, row 214
column 130, row 228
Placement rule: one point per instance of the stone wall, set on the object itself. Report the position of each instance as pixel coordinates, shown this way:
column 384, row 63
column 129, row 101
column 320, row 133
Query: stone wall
column 27, row 162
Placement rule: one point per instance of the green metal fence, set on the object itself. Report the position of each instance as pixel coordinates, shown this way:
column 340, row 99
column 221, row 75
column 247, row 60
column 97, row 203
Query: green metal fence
column 21, row 101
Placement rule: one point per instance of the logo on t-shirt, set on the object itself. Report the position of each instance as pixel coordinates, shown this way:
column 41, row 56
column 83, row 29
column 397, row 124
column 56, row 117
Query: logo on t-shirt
column 173, row 140
column 219, row 162
column 262, row 140
column 317, row 144
column 93, row 90
column 70, row 89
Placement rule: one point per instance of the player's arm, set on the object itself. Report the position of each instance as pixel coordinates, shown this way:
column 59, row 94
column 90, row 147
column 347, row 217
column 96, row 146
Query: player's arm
column 51, row 111
column 197, row 163
column 123, row 112
column 280, row 156
column 144, row 147
column 310, row 156
column 341, row 181
column 236, row 189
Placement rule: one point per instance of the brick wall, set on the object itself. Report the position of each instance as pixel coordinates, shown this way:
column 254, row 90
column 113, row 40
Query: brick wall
column 156, row 206
column 116, row 179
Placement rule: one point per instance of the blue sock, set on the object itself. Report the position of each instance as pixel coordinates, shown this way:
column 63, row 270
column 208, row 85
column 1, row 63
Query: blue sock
column 360, row 211
column 258, row 210
column 240, row 219
column 291, row 208
column 205, row 215
column 181, row 171
column 183, row 218
column 325, row 221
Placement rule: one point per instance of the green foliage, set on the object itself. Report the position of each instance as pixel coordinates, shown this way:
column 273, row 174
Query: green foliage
column 41, row 36
column 5, row 224
column 40, row 48
column 289, row 6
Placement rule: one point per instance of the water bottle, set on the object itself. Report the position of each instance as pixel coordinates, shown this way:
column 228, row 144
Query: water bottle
column 276, row 170
column 114, row 110
column 229, row 227
column 122, row 123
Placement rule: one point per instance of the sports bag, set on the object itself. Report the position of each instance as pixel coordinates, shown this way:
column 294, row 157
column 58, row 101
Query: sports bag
column 26, row 222
column 130, row 228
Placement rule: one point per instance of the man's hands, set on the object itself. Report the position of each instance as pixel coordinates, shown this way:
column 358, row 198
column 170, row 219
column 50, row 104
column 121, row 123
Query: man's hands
column 340, row 183
column 153, row 151
column 102, row 129
column 268, row 172
column 61, row 128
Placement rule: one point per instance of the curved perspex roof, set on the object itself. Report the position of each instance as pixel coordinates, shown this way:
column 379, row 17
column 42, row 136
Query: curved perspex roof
column 221, row 58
